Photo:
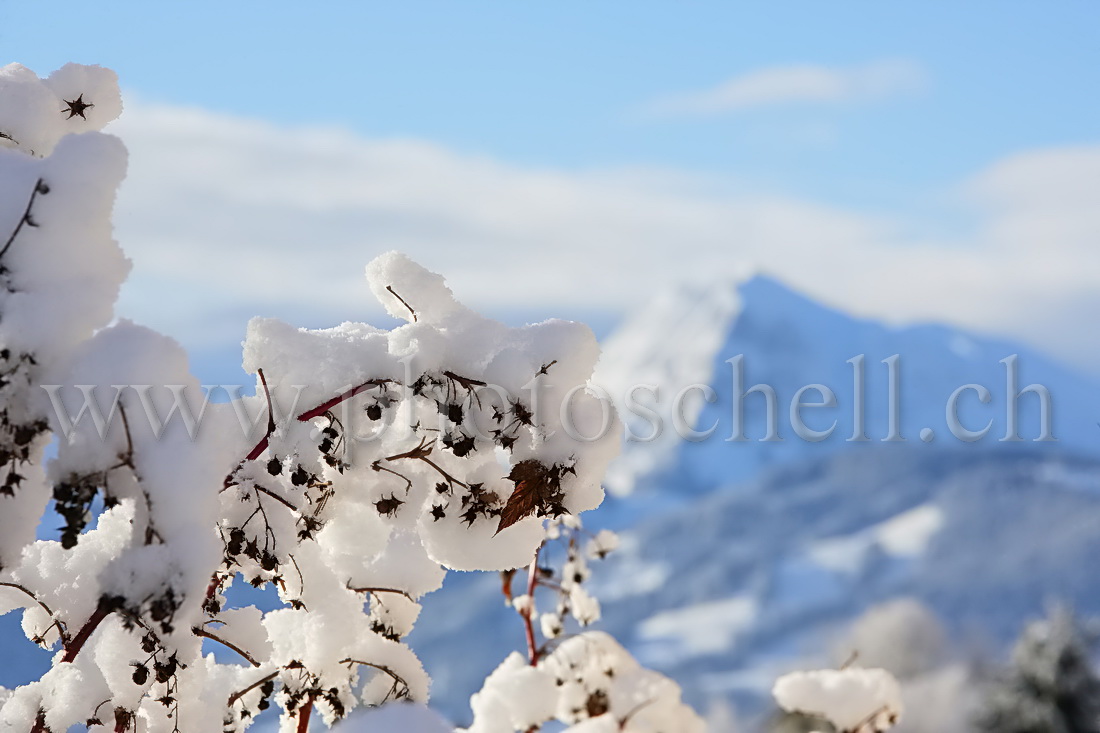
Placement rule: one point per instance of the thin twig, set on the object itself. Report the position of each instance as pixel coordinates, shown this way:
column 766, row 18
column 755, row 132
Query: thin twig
column 871, row 718
column 128, row 459
column 470, row 385
column 306, row 416
column 241, row 693
column 382, row 590
column 634, row 711
column 261, row 446
column 213, row 637
column 39, row 187
column 279, row 499
column 381, row 668
column 56, row 621
column 301, row 578
column 324, row 407
column 421, row 453
column 394, row 292
column 450, row 479
column 379, row 467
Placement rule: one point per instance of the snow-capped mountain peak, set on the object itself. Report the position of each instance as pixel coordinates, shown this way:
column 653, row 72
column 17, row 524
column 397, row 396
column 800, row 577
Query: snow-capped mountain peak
column 686, row 338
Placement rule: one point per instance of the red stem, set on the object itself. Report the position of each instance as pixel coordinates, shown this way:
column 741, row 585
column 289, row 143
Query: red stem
column 303, row 715
column 506, row 584
column 258, row 449
column 213, row 587
column 262, row 445
column 306, row 416
column 529, row 626
column 85, row 633
column 324, row 407
column 73, row 648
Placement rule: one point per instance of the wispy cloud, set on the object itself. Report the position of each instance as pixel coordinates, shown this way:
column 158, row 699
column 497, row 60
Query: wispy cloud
column 796, row 84
column 226, row 218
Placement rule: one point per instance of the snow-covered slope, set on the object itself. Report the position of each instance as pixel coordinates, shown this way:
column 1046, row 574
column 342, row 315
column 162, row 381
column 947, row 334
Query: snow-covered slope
column 669, row 344
column 788, row 342
column 755, row 577
column 727, row 593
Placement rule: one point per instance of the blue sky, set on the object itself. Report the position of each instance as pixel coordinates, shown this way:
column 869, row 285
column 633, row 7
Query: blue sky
column 555, row 83
column 886, row 117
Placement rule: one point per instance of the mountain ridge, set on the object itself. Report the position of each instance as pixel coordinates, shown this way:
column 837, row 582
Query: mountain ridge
column 789, row 341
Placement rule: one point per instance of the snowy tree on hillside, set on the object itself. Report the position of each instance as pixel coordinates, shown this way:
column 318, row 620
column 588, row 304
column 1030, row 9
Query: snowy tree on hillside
column 1051, row 686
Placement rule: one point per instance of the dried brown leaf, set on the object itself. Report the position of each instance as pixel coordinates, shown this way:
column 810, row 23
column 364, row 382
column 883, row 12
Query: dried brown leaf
column 535, row 485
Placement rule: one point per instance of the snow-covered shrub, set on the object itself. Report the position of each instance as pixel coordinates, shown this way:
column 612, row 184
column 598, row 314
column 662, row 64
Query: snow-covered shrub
column 588, row 682
column 438, row 444
column 853, row 699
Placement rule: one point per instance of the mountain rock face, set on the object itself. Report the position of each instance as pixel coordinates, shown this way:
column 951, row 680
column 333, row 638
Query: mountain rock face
column 743, row 559
column 734, row 337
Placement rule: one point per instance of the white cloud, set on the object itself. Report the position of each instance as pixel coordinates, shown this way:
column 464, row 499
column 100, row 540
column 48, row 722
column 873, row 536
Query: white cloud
column 795, row 84
column 227, row 218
